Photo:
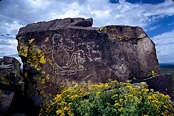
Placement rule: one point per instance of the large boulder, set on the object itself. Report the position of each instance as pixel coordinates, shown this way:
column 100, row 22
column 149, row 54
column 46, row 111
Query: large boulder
column 70, row 49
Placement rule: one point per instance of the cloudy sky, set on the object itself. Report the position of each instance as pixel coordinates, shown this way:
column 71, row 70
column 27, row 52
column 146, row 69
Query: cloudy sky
column 156, row 17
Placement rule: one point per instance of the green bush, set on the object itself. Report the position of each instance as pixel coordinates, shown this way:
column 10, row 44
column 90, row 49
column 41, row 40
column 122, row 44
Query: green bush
column 109, row 99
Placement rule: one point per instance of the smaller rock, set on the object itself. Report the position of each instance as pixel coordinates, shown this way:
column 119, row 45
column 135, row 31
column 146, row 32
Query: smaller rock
column 83, row 23
column 162, row 83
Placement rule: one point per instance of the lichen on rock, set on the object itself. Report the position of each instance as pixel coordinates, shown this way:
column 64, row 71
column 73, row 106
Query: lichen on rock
column 22, row 48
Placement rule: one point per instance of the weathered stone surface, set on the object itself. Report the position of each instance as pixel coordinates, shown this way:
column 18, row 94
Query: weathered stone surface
column 11, row 84
column 69, row 49
column 136, row 49
column 162, row 83
column 6, row 98
column 10, row 73
column 56, row 24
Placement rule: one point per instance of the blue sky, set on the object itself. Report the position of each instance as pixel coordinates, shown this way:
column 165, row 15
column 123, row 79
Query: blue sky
column 156, row 17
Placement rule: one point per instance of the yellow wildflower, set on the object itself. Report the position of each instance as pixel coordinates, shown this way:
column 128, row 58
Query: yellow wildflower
column 106, row 85
column 74, row 96
column 115, row 95
column 149, row 97
column 130, row 95
column 42, row 60
column 63, row 103
column 138, row 87
column 100, row 85
column 66, row 108
column 120, row 109
column 156, row 106
column 31, row 40
column 121, row 100
column 60, row 113
column 154, row 96
column 70, row 113
column 145, row 90
column 76, row 85
column 114, row 81
column 165, row 106
column 130, row 87
column 58, row 97
column 143, row 83
column 116, row 104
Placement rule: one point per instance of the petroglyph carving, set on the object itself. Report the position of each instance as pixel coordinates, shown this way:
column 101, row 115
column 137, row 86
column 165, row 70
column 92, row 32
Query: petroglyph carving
column 93, row 54
column 67, row 59
column 65, row 62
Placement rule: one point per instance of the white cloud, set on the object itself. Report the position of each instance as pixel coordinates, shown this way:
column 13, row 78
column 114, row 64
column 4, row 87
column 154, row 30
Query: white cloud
column 165, row 8
column 153, row 27
column 165, row 47
column 19, row 13
column 7, row 46
column 10, row 27
column 39, row 4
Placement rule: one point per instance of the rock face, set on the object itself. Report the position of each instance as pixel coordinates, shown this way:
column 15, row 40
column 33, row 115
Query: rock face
column 132, row 49
column 11, row 83
column 70, row 49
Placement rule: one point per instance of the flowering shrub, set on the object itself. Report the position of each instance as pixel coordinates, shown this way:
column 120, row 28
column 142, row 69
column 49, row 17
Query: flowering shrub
column 109, row 99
